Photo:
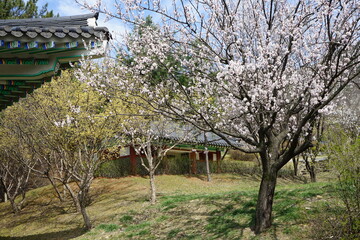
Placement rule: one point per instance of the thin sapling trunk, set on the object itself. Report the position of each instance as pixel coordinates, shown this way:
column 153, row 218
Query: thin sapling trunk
column 207, row 159
column 295, row 161
column 152, row 187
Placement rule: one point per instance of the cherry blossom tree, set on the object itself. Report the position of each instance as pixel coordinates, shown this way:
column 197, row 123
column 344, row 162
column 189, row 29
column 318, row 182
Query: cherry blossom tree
column 14, row 172
column 256, row 71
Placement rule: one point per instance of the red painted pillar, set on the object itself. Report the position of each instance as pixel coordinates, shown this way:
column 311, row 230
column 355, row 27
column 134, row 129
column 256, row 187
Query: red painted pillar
column 218, row 158
column 133, row 160
column 193, row 162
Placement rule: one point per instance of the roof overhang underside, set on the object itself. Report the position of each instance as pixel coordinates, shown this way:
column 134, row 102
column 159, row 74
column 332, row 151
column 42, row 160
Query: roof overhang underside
column 34, row 50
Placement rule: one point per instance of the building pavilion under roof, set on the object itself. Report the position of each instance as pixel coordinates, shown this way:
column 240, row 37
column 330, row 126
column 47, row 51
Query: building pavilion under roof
column 33, row 50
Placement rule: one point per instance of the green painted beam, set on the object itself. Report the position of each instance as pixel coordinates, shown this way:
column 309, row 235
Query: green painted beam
column 11, row 96
column 10, row 50
column 19, row 92
column 5, row 92
column 26, row 87
column 45, row 50
column 65, row 50
column 34, row 81
column 202, row 147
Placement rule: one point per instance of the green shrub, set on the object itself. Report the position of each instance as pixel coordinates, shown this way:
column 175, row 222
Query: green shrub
column 345, row 158
column 181, row 164
column 240, row 167
column 114, row 168
column 341, row 220
column 201, row 167
column 241, row 156
column 121, row 167
column 175, row 164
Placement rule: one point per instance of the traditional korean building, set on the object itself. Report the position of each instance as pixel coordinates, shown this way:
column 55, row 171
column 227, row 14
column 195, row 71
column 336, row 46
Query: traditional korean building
column 33, row 50
column 190, row 153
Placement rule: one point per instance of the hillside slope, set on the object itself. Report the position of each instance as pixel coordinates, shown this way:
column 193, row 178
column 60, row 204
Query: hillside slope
column 188, row 208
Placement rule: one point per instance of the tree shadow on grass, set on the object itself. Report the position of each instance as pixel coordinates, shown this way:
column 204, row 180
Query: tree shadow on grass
column 230, row 218
column 61, row 235
column 232, row 215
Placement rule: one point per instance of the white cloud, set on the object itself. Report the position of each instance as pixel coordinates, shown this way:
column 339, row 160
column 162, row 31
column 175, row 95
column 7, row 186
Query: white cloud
column 69, row 7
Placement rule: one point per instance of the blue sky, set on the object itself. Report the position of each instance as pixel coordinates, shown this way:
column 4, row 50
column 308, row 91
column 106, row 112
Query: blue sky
column 70, row 7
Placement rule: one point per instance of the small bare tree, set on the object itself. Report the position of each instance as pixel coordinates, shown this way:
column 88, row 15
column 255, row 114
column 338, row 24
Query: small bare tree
column 14, row 170
column 152, row 137
column 309, row 156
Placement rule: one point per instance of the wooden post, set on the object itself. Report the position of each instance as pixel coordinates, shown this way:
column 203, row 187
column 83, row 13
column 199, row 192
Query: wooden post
column 133, row 160
column 193, row 162
column 206, row 152
column 218, row 158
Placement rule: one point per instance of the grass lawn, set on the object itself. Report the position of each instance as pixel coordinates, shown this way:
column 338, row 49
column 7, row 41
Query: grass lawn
column 187, row 208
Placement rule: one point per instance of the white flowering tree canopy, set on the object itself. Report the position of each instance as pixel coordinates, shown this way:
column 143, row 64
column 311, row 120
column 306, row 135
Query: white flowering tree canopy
column 248, row 69
column 257, row 71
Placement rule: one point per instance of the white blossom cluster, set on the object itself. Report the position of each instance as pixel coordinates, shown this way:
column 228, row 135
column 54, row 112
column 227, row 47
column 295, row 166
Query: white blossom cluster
column 248, row 69
column 68, row 121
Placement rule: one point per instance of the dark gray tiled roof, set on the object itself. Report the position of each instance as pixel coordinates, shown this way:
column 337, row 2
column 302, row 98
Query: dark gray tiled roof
column 75, row 21
column 187, row 134
column 58, row 27
column 212, row 140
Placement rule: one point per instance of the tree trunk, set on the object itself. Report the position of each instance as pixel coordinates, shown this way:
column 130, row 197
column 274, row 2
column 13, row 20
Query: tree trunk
column 310, row 167
column 74, row 198
column 11, row 197
column 23, row 196
column 207, row 159
column 152, row 187
column 296, row 164
column 263, row 217
column 82, row 202
column 64, row 192
column 207, row 166
column 85, row 216
column 15, row 207
column 55, row 187
column 313, row 174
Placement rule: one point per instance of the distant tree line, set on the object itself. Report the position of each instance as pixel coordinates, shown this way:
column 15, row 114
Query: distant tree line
column 17, row 9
